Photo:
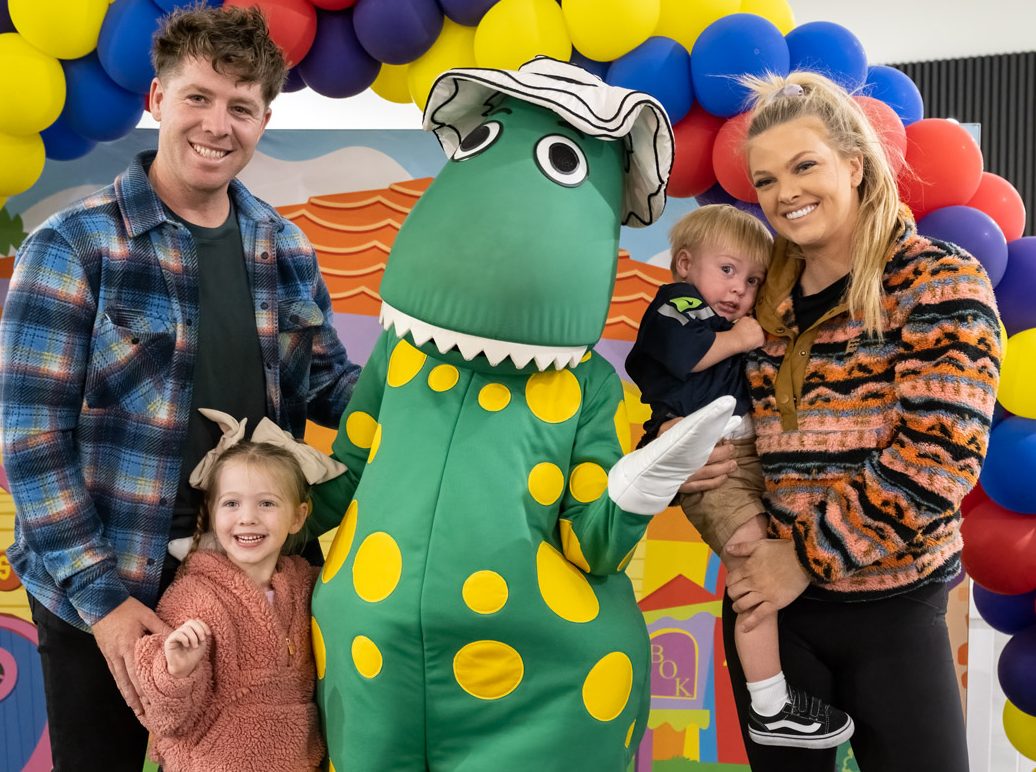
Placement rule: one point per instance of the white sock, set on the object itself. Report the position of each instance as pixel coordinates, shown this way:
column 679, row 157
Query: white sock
column 769, row 696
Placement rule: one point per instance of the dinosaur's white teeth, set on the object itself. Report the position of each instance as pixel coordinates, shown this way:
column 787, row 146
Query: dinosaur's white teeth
column 470, row 346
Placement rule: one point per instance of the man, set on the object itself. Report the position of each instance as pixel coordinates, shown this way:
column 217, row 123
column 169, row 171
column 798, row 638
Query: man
column 170, row 290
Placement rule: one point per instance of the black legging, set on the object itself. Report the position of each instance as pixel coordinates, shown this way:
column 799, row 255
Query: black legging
column 887, row 663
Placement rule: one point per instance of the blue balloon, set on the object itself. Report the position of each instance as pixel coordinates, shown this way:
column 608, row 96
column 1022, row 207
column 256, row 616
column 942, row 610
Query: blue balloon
column 172, row 5
column 293, row 82
column 397, row 31
column 1007, row 613
column 715, row 195
column 467, row 12
column 735, row 45
column 972, row 229
column 831, row 50
column 96, row 107
column 6, row 25
column 999, row 414
column 600, row 69
column 1017, row 288
column 1016, row 670
column 661, row 67
column 61, row 143
column 337, row 65
column 1006, row 475
column 895, row 89
column 124, row 45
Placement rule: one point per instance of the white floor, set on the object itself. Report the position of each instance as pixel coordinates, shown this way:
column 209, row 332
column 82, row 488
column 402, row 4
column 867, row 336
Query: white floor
column 989, row 748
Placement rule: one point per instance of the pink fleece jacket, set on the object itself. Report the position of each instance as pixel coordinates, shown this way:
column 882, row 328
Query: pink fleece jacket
column 249, row 703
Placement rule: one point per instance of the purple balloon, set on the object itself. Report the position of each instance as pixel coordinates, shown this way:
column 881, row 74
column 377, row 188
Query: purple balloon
column 973, row 230
column 661, row 67
column 397, row 31
column 715, row 195
column 467, row 12
column 1007, row 613
column 337, row 65
column 124, row 45
column 172, row 5
column 293, row 82
column 6, row 25
column 90, row 86
column 1017, row 670
column 830, row 49
column 1017, row 289
column 756, row 211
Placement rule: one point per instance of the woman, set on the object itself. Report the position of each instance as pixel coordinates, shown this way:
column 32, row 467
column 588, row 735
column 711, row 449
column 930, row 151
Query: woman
column 872, row 400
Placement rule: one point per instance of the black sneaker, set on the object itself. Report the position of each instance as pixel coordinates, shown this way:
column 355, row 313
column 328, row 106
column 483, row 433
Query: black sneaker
column 804, row 722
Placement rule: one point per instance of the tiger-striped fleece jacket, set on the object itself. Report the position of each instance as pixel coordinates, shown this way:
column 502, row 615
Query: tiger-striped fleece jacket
column 868, row 445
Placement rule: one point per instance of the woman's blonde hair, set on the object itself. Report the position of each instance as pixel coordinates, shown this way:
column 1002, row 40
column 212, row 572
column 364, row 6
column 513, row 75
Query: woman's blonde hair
column 776, row 100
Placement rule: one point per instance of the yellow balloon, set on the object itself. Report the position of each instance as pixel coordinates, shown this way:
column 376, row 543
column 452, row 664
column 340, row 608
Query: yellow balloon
column 391, row 83
column 1003, row 343
column 67, row 29
column 514, row 31
column 1020, row 729
column 32, row 87
column 21, row 162
column 777, row 11
column 604, row 30
column 455, row 47
column 684, row 21
column 3, row 200
column 1018, row 375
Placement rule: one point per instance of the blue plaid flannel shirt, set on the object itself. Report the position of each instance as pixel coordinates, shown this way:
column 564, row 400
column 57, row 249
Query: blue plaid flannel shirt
column 97, row 347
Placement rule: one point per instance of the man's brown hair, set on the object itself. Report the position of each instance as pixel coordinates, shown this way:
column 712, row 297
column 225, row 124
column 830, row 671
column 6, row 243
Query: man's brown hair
column 236, row 41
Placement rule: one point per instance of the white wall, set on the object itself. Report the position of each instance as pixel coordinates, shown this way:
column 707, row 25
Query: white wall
column 890, row 30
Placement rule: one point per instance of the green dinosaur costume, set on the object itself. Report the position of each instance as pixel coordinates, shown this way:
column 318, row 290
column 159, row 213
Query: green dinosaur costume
column 473, row 613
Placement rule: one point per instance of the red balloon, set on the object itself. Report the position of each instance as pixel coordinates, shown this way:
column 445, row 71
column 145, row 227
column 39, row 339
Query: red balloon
column 694, row 137
column 944, row 166
column 972, row 500
column 998, row 198
column 293, row 24
column 728, row 159
column 889, row 128
column 1000, row 548
column 333, row 5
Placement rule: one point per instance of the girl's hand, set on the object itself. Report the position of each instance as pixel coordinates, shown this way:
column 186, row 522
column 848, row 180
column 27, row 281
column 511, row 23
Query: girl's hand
column 768, row 578
column 185, row 647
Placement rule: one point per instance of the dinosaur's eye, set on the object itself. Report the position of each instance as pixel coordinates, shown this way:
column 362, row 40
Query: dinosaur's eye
column 478, row 139
column 562, row 160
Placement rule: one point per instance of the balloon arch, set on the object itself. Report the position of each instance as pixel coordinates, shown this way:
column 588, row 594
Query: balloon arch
column 75, row 72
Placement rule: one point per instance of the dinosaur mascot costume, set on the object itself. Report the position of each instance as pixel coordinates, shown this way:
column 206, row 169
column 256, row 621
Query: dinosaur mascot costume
column 473, row 614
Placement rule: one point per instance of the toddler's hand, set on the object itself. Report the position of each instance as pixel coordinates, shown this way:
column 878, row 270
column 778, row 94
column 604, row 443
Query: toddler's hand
column 185, row 647
column 749, row 332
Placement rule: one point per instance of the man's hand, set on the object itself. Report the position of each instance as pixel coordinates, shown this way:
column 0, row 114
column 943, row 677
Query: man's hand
column 185, row 647
column 768, row 578
column 117, row 635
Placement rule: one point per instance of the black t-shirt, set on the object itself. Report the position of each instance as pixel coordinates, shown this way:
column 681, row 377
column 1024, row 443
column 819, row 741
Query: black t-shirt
column 809, row 308
column 677, row 330
column 228, row 367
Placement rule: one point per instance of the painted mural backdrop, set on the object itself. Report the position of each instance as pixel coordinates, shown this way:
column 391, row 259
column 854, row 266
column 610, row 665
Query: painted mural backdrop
column 350, row 191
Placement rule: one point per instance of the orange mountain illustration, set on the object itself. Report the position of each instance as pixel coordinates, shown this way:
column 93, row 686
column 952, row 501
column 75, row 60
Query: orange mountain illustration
column 353, row 234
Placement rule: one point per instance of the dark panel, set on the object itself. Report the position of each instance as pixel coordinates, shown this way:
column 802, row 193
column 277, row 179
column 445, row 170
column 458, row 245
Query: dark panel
column 998, row 92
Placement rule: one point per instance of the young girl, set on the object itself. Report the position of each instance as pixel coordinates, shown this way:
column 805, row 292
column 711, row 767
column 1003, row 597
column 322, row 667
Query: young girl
column 232, row 686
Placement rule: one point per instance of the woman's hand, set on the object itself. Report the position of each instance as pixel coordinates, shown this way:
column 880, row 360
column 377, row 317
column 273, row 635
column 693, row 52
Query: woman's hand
column 185, row 647
column 769, row 577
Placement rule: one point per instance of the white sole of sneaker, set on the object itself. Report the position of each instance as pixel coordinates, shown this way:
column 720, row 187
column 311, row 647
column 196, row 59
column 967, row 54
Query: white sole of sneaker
column 832, row 740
